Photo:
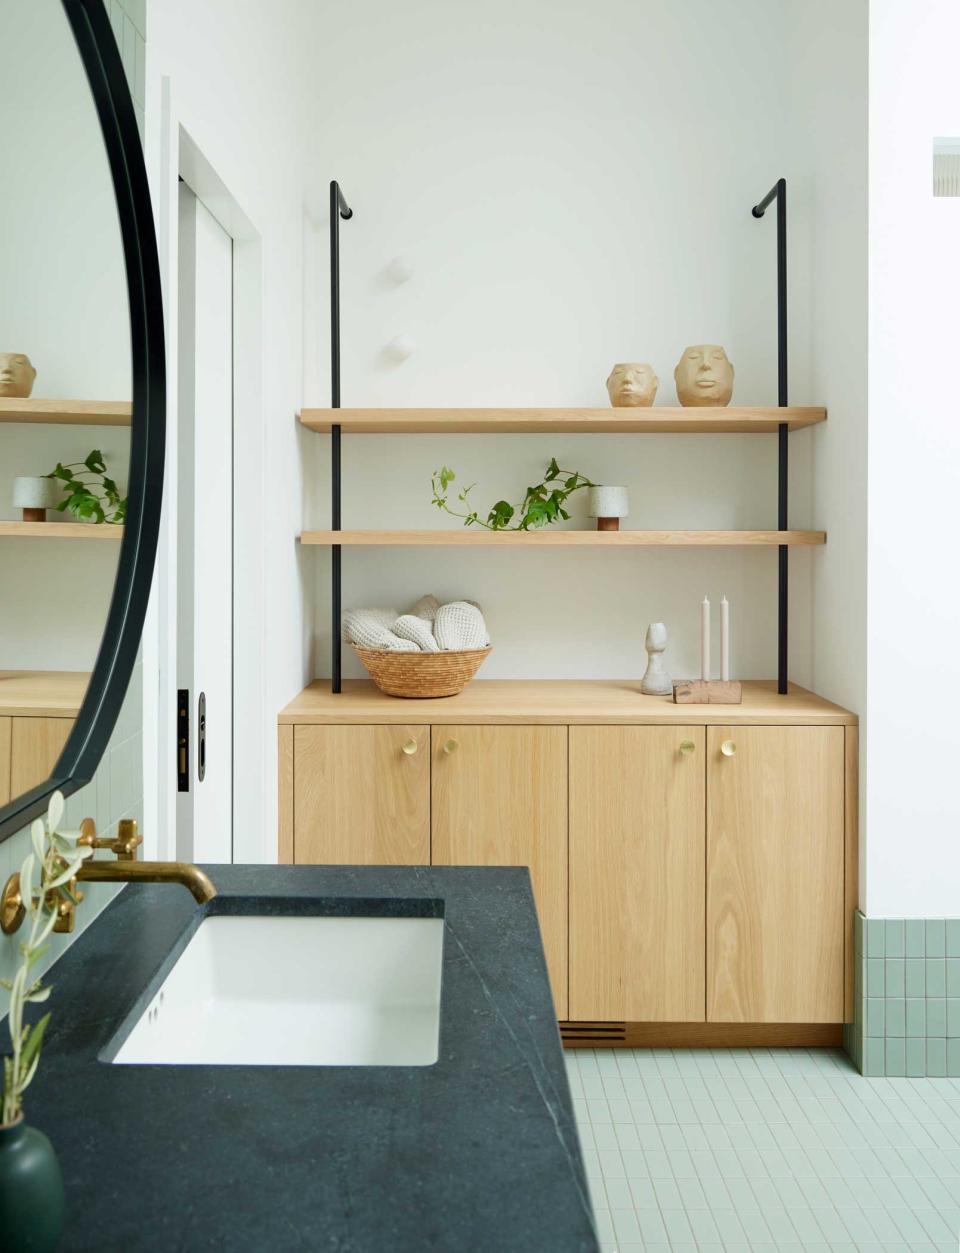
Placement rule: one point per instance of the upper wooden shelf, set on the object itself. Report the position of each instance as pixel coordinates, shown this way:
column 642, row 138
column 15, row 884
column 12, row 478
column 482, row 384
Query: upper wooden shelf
column 558, row 701
column 491, row 421
column 563, row 539
column 66, row 412
column 62, row 530
column 42, row 693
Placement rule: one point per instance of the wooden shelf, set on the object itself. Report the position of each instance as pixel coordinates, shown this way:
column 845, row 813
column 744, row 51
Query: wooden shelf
column 490, row 421
column 42, row 693
column 66, row 412
column 562, row 539
column 560, row 702
column 61, row 530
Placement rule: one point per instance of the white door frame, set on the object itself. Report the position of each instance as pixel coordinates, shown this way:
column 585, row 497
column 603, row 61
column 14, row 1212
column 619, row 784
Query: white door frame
column 171, row 152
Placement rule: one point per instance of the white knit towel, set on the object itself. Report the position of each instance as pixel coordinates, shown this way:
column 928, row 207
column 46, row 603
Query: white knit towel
column 409, row 627
column 460, row 625
column 371, row 628
column 426, row 607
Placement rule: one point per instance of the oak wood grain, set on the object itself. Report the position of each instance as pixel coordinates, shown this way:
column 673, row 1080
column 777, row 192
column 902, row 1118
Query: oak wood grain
column 637, row 873
column 285, row 799
column 55, row 693
column 62, row 530
column 499, row 798
column 465, row 538
column 36, row 743
column 65, row 412
column 851, row 874
column 6, row 736
column 775, row 874
column 359, row 799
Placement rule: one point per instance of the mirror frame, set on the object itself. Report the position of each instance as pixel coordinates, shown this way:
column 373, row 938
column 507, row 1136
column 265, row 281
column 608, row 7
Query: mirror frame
column 113, row 667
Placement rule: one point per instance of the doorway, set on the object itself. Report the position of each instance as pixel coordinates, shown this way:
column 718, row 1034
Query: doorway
column 205, row 535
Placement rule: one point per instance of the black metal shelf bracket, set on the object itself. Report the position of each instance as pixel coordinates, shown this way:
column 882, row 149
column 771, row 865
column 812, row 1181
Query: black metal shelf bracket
column 778, row 192
column 338, row 209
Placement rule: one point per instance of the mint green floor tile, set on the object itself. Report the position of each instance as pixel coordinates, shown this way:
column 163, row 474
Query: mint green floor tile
column 953, row 937
column 915, row 983
column 936, row 937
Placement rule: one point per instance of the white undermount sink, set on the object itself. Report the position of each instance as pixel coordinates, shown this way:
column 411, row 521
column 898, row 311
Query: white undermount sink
column 297, row 991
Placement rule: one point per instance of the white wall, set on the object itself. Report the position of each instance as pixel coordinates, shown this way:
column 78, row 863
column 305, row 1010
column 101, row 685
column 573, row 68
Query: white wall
column 572, row 186
column 913, row 806
column 231, row 73
column 63, row 303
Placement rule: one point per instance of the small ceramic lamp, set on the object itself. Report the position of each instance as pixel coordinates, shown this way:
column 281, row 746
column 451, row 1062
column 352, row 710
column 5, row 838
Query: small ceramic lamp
column 608, row 505
column 35, row 496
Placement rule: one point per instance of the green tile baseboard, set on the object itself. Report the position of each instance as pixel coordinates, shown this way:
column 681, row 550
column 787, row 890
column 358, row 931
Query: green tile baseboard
column 906, row 1004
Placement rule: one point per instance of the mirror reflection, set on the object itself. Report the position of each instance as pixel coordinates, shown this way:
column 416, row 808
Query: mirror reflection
column 64, row 392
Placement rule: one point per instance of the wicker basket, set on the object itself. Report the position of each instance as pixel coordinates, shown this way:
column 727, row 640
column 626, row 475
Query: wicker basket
column 419, row 675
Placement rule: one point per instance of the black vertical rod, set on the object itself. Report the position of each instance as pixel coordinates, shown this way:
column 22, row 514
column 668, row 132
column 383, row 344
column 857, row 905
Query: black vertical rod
column 779, row 192
column 338, row 208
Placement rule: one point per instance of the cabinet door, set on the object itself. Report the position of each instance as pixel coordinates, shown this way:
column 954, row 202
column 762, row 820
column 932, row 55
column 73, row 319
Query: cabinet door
column 500, row 799
column 637, row 874
column 775, row 874
column 361, row 795
column 36, row 743
column 5, row 735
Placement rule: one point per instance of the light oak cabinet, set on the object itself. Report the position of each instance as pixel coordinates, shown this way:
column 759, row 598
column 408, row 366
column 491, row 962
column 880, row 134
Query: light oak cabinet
column 5, row 739
column 637, row 874
column 500, row 799
column 775, row 874
column 361, row 795
column 694, row 867
column 35, row 746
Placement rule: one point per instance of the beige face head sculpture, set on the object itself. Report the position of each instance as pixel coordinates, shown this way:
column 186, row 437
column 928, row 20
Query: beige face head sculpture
column 16, row 374
column 704, row 376
column 632, row 385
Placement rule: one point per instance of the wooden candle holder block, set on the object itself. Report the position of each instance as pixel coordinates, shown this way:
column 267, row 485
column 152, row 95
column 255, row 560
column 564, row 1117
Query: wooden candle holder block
column 707, row 692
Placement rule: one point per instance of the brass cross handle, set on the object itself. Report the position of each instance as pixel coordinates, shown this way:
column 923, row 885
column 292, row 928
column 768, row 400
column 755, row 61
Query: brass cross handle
column 124, row 846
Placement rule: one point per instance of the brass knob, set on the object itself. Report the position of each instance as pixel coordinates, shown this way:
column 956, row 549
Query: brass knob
column 687, row 747
column 410, row 747
column 450, row 746
column 728, row 748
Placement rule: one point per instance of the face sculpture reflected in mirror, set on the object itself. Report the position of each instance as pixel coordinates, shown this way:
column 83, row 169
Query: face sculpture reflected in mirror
column 16, row 374
column 632, row 385
column 704, row 376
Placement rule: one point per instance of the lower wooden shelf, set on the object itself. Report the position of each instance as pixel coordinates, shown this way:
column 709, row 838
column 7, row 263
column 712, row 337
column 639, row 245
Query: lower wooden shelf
column 564, row 539
column 61, row 530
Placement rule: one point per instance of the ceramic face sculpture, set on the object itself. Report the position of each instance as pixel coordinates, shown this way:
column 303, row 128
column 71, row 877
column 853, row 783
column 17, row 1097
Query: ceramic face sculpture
column 16, row 374
column 632, row 385
column 704, row 376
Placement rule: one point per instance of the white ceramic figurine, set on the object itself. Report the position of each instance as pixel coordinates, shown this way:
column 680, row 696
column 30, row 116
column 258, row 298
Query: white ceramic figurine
column 656, row 681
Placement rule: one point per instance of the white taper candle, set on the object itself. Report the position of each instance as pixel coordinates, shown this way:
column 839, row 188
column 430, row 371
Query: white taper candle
column 724, row 639
column 705, row 639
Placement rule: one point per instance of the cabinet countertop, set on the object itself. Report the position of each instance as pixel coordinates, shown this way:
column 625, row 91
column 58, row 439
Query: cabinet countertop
column 42, row 693
column 477, row 1152
column 560, row 701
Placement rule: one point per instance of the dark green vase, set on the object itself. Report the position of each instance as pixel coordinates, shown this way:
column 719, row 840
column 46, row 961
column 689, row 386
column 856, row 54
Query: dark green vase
column 31, row 1191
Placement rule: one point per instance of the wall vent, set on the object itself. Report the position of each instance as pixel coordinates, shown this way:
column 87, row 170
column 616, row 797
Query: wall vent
column 593, row 1034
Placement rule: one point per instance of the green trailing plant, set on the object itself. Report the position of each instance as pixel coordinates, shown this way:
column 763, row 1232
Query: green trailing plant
column 55, row 858
column 542, row 504
column 91, row 494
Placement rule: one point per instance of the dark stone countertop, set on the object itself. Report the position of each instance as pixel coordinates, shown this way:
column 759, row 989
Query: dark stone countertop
column 478, row 1152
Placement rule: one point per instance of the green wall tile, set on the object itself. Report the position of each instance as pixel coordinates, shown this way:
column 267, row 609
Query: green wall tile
column 936, row 1017
column 936, row 1058
column 916, row 1058
column 897, row 1057
column 876, row 1016
column 873, row 1059
column 875, row 976
column 953, row 976
column 953, row 1059
column 895, row 1017
column 858, row 932
column 915, row 981
column 953, row 1016
column 874, row 932
column 913, row 938
column 936, row 938
column 953, row 937
column 893, row 938
column 894, row 976
column 916, row 1018
column 936, row 976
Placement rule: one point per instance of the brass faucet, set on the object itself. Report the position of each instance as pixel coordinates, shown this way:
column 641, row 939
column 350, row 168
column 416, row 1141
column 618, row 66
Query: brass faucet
column 126, row 869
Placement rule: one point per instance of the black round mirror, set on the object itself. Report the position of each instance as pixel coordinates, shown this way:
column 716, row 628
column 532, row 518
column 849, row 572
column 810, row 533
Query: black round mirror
column 82, row 399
